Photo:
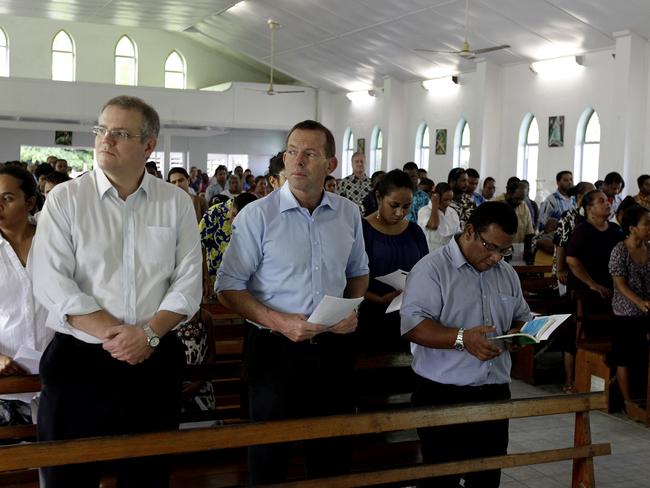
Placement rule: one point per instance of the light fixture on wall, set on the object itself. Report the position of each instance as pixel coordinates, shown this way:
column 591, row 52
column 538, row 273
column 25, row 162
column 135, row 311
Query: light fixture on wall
column 566, row 65
column 361, row 95
column 444, row 84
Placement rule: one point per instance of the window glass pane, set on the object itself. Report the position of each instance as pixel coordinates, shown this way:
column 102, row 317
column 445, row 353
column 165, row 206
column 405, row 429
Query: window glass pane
column 174, row 62
column 174, row 80
column 124, row 71
column 424, row 158
column 533, row 132
column 590, row 155
column 380, row 140
column 62, row 66
column 176, row 160
column 125, row 47
column 62, row 42
column 3, row 38
column 237, row 160
column 530, row 168
column 351, row 142
column 592, row 133
column 425, row 137
column 4, row 61
column 464, row 157
column 214, row 161
column 465, row 138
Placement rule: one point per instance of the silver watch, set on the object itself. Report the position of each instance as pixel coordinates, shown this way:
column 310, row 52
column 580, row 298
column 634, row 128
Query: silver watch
column 152, row 338
column 459, row 345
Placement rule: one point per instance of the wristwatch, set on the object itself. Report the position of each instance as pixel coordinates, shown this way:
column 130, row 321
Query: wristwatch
column 459, row 345
column 152, row 338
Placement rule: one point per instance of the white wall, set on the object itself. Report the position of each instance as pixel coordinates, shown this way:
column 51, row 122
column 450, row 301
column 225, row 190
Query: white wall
column 30, row 42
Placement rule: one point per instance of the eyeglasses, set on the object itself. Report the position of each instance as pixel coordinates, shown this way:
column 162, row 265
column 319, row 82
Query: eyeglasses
column 121, row 134
column 308, row 154
column 492, row 248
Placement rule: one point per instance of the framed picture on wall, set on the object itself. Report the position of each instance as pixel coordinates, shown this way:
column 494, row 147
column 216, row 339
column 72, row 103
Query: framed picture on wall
column 63, row 137
column 361, row 146
column 556, row 131
column 441, row 141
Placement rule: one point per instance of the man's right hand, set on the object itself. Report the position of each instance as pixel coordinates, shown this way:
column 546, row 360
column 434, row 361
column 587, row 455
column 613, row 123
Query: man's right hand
column 296, row 328
column 8, row 367
column 604, row 292
column 477, row 344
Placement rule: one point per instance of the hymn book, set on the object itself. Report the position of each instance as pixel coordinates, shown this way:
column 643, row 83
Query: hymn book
column 537, row 330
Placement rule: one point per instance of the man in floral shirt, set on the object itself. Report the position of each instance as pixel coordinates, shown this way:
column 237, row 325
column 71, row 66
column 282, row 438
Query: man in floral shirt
column 462, row 203
column 356, row 186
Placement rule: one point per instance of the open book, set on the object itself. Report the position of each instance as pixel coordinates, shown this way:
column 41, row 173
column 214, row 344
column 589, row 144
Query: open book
column 396, row 279
column 537, row 330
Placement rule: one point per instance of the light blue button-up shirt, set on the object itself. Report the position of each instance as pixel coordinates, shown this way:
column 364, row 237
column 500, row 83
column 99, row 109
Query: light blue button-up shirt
column 444, row 287
column 287, row 258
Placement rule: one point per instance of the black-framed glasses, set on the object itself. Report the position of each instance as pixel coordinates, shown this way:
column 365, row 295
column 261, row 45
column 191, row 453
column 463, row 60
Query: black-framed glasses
column 122, row 134
column 493, row 248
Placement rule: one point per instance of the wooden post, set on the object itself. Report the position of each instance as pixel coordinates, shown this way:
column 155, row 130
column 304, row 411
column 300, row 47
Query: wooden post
column 583, row 468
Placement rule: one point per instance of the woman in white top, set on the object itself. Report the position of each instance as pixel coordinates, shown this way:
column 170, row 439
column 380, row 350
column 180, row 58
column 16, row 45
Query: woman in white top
column 22, row 320
column 438, row 220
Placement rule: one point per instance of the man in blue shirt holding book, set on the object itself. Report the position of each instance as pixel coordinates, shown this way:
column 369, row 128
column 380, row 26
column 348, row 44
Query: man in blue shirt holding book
column 455, row 298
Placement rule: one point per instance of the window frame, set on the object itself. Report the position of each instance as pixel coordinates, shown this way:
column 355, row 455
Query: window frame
column 581, row 134
column 422, row 152
column 183, row 72
column 72, row 52
column 525, row 163
column 376, row 150
column 348, row 150
column 4, row 63
column 117, row 56
column 459, row 147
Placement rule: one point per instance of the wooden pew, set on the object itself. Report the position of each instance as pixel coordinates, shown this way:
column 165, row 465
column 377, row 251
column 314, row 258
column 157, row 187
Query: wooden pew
column 29, row 456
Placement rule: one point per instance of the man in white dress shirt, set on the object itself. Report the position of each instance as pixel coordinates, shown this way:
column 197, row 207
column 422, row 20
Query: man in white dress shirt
column 119, row 266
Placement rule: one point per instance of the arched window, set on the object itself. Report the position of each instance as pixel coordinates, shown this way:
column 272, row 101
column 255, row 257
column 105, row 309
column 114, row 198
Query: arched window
column 63, row 63
column 4, row 53
column 348, row 151
column 422, row 146
column 175, row 71
column 126, row 62
column 376, row 146
column 462, row 141
column 587, row 147
column 528, row 151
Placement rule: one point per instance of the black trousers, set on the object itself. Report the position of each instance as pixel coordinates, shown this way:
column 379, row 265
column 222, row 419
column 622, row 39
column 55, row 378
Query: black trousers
column 293, row 380
column 87, row 393
column 464, row 441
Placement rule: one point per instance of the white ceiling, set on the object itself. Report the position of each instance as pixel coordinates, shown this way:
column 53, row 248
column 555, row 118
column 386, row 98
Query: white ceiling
column 354, row 44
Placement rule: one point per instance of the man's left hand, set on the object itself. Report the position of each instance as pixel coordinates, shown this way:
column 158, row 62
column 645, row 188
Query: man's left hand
column 345, row 326
column 512, row 345
column 127, row 343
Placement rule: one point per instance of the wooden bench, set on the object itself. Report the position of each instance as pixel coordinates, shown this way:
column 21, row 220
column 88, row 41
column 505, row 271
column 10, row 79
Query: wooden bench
column 30, row 456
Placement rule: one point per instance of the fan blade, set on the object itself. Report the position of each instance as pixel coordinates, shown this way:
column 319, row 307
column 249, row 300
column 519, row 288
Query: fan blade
column 290, row 91
column 436, row 52
column 490, row 49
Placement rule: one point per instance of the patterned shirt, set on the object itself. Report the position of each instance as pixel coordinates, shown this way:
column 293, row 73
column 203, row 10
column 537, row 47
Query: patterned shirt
column 553, row 208
column 463, row 207
column 565, row 227
column 355, row 189
column 420, row 199
column 637, row 277
column 642, row 200
column 215, row 228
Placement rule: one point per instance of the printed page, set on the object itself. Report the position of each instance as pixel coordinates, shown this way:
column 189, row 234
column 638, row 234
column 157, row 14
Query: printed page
column 332, row 310
column 396, row 279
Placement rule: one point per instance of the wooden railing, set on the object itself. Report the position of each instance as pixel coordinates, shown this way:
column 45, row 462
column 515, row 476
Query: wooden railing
column 41, row 454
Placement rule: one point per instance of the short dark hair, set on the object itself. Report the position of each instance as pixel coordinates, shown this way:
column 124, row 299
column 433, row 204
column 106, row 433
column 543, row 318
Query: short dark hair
column 560, row 174
column 221, row 167
column 588, row 199
column 43, row 169
column 410, row 166
column 27, row 183
column 151, row 164
column 243, row 199
column 178, row 169
column 329, row 177
column 487, row 180
column 579, row 189
column 513, row 186
column 632, row 216
column 472, row 173
column 393, row 180
column 330, row 144
column 511, row 179
column 150, row 120
column 498, row 213
column 641, row 179
column 455, row 174
column 627, row 202
column 56, row 177
column 276, row 164
column 428, row 182
column 442, row 188
column 614, row 177
column 375, row 175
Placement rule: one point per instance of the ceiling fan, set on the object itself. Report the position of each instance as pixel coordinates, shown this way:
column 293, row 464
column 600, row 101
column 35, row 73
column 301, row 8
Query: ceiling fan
column 466, row 52
column 273, row 25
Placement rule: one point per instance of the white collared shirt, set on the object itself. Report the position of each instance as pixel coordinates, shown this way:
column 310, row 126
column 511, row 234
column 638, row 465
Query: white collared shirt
column 448, row 226
column 22, row 319
column 131, row 258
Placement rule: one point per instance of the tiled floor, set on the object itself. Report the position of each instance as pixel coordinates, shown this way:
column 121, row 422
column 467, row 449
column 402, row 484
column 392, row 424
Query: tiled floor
column 627, row 466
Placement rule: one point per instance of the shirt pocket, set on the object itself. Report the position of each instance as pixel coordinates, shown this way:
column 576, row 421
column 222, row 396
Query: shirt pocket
column 159, row 247
column 502, row 310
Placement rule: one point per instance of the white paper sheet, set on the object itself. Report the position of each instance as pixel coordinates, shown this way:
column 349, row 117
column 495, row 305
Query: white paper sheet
column 396, row 304
column 332, row 310
column 396, row 279
column 28, row 359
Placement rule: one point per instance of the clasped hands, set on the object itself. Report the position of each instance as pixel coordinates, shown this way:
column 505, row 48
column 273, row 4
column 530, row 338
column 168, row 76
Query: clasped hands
column 296, row 328
column 127, row 343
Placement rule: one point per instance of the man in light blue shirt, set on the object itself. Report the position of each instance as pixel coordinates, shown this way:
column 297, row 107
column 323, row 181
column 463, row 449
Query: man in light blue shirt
column 455, row 297
column 287, row 251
